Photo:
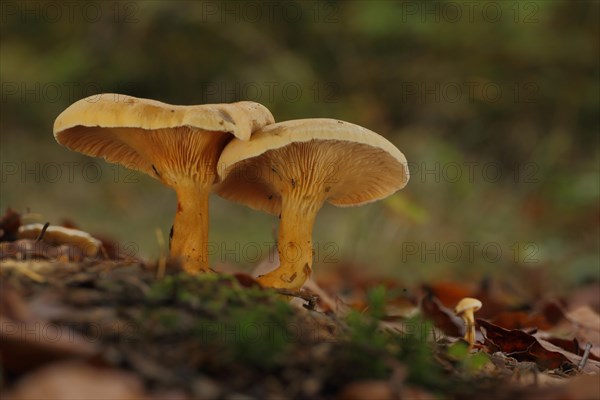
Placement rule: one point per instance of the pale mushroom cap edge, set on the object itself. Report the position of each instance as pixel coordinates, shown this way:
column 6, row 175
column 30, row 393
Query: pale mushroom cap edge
column 90, row 125
column 112, row 110
column 278, row 135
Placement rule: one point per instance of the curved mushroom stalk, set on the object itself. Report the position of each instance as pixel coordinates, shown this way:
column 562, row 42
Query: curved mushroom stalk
column 294, row 244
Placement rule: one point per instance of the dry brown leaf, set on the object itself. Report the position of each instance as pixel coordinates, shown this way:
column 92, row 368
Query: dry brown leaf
column 415, row 393
column 524, row 347
column 12, row 305
column 29, row 341
column 591, row 366
column 442, row 317
column 582, row 387
column 371, row 389
column 9, row 225
column 587, row 325
column 326, row 302
column 586, row 296
column 448, row 293
column 78, row 381
column 26, row 345
column 553, row 311
column 520, row 320
column 246, row 280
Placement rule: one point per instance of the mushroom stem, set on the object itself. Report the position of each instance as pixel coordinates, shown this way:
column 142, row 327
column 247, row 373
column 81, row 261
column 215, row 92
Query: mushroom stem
column 469, row 319
column 189, row 243
column 294, row 243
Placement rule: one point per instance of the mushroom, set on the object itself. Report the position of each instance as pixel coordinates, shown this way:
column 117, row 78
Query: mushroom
column 178, row 145
column 465, row 309
column 59, row 235
column 291, row 168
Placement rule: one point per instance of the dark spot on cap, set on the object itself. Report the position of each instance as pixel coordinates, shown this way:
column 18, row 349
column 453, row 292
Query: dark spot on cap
column 292, row 278
column 226, row 116
column 179, row 207
column 306, row 270
column 172, row 110
column 270, row 197
column 327, row 189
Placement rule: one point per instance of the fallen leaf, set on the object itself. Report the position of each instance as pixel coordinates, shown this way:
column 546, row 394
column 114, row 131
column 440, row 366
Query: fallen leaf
column 442, row 317
column 326, row 302
column 553, row 311
column 369, row 389
column 582, row 387
column 415, row 393
column 523, row 347
column 28, row 341
column 78, row 381
column 586, row 296
column 9, row 225
column 587, row 327
column 571, row 346
column 591, row 366
column 12, row 305
column 448, row 293
column 520, row 320
column 26, row 345
column 246, row 280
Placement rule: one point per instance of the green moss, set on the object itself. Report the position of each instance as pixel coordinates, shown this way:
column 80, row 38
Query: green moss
column 252, row 329
column 467, row 362
column 263, row 334
column 247, row 325
column 372, row 351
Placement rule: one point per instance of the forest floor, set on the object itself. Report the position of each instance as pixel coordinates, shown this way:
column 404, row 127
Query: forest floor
column 128, row 329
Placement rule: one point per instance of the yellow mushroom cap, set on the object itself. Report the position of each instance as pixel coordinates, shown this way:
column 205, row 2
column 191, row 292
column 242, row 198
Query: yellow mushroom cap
column 98, row 126
column 361, row 166
column 468, row 303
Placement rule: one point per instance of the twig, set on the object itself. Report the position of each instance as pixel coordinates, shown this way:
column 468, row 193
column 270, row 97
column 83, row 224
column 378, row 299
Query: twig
column 311, row 299
column 43, row 232
column 586, row 355
column 104, row 252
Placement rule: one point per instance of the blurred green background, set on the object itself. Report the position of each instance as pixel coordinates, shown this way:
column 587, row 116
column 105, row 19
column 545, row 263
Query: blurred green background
column 494, row 103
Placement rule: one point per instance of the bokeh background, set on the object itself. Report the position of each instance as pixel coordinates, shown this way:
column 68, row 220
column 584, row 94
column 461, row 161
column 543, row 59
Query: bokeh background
column 495, row 104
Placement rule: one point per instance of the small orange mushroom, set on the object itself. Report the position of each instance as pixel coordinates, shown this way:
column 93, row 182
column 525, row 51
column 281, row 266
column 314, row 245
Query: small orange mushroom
column 466, row 309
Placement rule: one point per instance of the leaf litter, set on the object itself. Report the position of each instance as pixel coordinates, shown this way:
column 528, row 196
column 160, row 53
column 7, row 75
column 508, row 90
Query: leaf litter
column 74, row 326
